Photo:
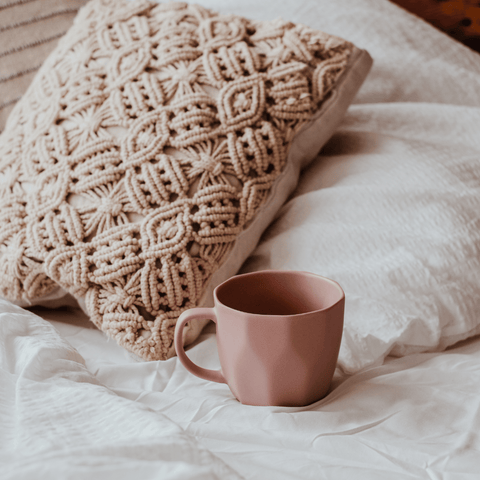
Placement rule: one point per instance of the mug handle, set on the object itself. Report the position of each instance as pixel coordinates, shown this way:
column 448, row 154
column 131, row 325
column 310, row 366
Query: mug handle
column 188, row 315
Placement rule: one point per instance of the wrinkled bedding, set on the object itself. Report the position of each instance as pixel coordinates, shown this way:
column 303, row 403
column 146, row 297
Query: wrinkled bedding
column 76, row 405
column 73, row 404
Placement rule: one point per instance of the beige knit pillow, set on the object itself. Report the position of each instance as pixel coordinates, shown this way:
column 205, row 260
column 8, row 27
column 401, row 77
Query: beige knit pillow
column 152, row 149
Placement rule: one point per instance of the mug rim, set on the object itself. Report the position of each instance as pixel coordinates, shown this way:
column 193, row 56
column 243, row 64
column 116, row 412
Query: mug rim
column 286, row 272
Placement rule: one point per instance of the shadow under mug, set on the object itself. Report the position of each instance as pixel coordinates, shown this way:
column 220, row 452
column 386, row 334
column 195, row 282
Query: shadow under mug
column 278, row 336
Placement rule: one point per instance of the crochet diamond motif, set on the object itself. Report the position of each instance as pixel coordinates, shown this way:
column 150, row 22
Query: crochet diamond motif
column 147, row 142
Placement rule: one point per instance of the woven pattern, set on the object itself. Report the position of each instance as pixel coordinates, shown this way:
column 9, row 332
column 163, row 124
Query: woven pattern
column 147, row 142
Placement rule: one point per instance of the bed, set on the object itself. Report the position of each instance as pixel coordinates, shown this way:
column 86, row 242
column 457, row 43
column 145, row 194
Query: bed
column 389, row 209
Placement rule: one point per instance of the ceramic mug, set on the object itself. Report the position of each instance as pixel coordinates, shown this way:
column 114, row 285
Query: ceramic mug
column 278, row 336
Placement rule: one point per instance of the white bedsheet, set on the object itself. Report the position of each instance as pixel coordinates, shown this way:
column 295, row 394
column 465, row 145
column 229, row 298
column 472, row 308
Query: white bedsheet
column 74, row 404
column 59, row 421
column 116, row 417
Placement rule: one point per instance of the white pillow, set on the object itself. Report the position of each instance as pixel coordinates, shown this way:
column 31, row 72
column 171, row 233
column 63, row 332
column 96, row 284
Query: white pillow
column 391, row 212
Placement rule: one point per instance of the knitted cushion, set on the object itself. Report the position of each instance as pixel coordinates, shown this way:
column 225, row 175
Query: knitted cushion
column 152, row 149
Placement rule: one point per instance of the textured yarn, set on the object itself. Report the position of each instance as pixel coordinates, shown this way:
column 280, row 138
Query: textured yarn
column 147, row 142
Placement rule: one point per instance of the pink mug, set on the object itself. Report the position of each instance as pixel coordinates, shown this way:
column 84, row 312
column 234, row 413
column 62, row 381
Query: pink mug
column 278, row 336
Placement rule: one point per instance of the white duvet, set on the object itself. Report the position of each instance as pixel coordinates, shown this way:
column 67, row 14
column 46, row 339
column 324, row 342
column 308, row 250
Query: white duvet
column 59, row 421
column 404, row 169
column 81, row 407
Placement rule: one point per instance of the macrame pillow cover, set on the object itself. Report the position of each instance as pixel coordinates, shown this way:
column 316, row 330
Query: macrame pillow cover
column 154, row 146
